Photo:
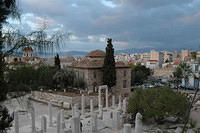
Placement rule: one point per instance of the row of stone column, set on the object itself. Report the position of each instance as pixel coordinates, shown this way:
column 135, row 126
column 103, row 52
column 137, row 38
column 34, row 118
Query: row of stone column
column 113, row 100
column 43, row 122
column 75, row 122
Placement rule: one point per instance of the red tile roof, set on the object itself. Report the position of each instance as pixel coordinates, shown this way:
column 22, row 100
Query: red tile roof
column 96, row 53
column 94, row 63
column 27, row 49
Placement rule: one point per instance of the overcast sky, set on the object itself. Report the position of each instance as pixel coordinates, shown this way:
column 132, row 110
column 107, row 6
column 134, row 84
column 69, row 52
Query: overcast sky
column 131, row 23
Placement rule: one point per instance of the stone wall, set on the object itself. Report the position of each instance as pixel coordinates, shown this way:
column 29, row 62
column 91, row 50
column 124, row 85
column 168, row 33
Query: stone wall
column 119, row 89
column 163, row 72
column 60, row 100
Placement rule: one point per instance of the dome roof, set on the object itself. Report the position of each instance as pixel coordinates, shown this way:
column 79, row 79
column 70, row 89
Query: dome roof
column 27, row 49
column 96, row 53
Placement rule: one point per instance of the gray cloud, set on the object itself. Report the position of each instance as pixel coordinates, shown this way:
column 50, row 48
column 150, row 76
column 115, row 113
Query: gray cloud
column 133, row 23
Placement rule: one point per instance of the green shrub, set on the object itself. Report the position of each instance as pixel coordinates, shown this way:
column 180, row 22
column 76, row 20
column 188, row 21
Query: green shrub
column 158, row 103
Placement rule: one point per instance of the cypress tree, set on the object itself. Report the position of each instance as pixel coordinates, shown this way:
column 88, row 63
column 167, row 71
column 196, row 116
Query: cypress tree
column 57, row 61
column 109, row 72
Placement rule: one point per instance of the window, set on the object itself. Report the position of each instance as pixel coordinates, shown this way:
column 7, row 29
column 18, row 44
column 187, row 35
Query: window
column 124, row 84
column 94, row 75
column 124, row 73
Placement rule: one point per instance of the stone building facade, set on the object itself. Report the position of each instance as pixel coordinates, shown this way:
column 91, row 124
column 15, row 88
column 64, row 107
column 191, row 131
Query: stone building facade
column 90, row 69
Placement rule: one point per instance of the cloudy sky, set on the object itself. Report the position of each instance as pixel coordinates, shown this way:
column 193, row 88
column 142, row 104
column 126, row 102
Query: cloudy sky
column 131, row 23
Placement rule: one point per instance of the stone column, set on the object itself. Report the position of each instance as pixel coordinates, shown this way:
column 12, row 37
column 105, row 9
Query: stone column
column 76, row 111
column 83, row 104
column 76, row 107
column 99, row 97
column 116, row 119
column 33, row 119
column 100, row 111
column 44, row 124
column 62, row 119
column 94, row 122
column 75, row 124
column 91, row 106
column 73, row 112
column 50, row 114
column 16, row 119
column 107, row 98
column 138, row 123
column 113, row 101
column 127, row 128
column 58, row 125
column 124, row 105
column 120, row 103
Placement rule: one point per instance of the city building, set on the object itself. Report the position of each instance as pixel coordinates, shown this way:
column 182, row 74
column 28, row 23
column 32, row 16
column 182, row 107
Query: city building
column 90, row 69
column 145, row 56
column 158, row 56
column 185, row 54
column 64, row 61
column 152, row 64
column 27, row 58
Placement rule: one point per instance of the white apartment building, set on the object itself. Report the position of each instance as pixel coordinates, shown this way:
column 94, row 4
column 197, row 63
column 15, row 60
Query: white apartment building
column 158, row 56
column 145, row 56
column 152, row 64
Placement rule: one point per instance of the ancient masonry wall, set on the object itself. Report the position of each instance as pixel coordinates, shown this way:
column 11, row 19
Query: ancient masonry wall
column 61, row 100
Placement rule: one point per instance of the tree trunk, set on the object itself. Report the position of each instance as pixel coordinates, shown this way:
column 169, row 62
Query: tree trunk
column 3, row 89
column 188, row 113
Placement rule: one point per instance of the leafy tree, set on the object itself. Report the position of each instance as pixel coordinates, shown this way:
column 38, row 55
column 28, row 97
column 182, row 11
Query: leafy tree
column 12, row 40
column 158, row 103
column 22, row 79
column 79, row 83
column 64, row 78
column 28, row 78
column 45, row 76
column 139, row 74
column 57, row 61
column 5, row 119
column 183, row 71
column 109, row 72
column 194, row 55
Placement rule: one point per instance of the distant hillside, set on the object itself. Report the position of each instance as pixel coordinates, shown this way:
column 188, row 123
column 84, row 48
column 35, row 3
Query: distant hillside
column 61, row 54
column 142, row 50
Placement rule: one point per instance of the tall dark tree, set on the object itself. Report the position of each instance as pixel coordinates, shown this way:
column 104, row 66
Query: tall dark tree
column 109, row 72
column 7, row 8
column 57, row 61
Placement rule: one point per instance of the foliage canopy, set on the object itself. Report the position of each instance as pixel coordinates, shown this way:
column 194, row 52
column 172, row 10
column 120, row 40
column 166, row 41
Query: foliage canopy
column 109, row 72
column 158, row 103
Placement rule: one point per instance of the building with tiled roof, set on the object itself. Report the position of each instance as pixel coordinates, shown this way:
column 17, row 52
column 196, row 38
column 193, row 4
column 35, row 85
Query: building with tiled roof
column 90, row 69
column 27, row 58
column 96, row 54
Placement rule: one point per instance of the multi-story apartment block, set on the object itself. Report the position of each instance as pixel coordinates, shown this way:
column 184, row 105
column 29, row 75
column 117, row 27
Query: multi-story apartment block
column 145, row 56
column 185, row 54
column 154, row 55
